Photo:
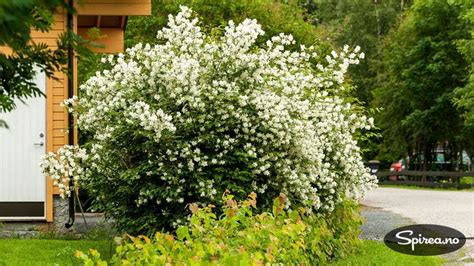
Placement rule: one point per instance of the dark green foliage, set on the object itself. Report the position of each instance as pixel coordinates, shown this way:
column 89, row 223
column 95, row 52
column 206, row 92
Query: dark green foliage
column 17, row 19
column 357, row 22
column 420, row 69
column 364, row 23
column 416, row 59
column 464, row 96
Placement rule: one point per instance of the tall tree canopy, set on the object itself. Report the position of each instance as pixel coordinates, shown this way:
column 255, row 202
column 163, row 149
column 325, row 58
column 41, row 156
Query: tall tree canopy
column 465, row 95
column 420, row 69
column 464, row 99
column 364, row 23
column 358, row 22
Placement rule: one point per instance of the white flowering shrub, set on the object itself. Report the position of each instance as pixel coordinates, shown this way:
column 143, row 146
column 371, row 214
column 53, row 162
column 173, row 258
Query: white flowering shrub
column 186, row 119
column 67, row 162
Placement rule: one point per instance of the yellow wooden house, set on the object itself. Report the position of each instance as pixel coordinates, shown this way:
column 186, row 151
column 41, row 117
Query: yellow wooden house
column 39, row 125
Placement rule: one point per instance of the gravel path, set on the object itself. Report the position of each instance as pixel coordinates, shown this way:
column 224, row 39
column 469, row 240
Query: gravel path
column 385, row 209
column 377, row 222
column 449, row 208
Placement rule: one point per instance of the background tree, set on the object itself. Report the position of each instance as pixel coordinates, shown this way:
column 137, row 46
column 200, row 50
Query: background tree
column 464, row 99
column 364, row 23
column 420, row 68
column 357, row 22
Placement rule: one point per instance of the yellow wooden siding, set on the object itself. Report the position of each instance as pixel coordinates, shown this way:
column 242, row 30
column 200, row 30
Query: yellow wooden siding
column 111, row 42
column 51, row 34
column 49, row 147
column 49, row 38
column 114, row 7
column 56, row 92
column 5, row 50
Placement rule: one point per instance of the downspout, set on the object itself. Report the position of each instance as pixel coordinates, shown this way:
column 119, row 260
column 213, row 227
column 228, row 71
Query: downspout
column 70, row 85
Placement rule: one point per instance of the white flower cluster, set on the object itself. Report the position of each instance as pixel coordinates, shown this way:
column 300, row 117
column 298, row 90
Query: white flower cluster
column 69, row 103
column 183, row 120
column 156, row 121
column 67, row 162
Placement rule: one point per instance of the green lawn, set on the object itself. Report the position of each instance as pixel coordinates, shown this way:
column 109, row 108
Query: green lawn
column 47, row 252
column 376, row 253
column 61, row 252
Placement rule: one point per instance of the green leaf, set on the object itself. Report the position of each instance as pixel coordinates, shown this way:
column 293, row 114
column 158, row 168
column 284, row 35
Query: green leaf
column 182, row 233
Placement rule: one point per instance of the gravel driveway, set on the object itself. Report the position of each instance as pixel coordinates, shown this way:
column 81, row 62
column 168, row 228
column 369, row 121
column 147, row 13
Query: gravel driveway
column 449, row 208
column 385, row 209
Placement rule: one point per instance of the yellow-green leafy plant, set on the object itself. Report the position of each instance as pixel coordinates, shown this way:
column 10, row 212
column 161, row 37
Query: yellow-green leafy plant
column 240, row 237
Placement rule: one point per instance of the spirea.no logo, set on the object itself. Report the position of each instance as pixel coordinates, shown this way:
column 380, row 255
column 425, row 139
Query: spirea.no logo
column 425, row 239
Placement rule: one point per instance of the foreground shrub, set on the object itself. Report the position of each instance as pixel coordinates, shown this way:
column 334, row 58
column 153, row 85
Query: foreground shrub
column 239, row 237
column 184, row 120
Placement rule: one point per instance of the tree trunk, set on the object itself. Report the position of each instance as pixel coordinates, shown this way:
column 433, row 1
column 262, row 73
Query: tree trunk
column 379, row 31
column 410, row 157
column 426, row 154
column 472, row 164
